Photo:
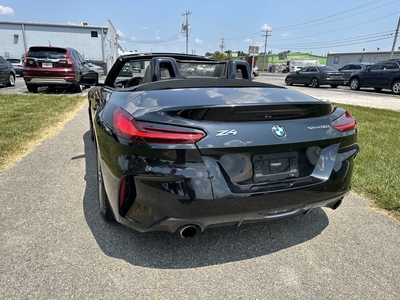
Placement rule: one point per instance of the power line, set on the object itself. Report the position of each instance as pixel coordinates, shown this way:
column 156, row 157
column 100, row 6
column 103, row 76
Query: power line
column 334, row 15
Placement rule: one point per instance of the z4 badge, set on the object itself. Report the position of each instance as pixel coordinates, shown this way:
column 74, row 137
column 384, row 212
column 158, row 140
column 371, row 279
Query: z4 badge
column 226, row 132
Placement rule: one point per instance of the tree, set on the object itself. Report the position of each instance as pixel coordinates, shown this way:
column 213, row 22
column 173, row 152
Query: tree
column 221, row 56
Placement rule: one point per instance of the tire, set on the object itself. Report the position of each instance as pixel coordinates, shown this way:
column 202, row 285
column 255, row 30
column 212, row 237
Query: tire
column 396, row 87
column 105, row 208
column 77, row 88
column 314, row 82
column 334, row 86
column 11, row 80
column 32, row 88
column 377, row 89
column 354, row 84
column 288, row 80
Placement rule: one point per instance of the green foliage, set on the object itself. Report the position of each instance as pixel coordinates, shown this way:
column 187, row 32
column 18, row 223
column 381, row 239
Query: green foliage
column 221, row 56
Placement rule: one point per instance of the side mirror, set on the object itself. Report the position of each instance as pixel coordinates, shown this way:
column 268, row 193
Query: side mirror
column 91, row 79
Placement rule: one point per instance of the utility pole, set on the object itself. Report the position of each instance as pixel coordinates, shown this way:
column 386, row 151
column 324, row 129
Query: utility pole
column 186, row 27
column 395, row 38
column 265, row 47
column 222, row 45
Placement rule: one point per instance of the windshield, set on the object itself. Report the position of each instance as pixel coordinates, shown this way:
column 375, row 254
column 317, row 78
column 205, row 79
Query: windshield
column 138, row 71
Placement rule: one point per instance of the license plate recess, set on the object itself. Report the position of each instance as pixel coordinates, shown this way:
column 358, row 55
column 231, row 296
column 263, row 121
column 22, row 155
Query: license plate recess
column 277, row 166
column 47, row 65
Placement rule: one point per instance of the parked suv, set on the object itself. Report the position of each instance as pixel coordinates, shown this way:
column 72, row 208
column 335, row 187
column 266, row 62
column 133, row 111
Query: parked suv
column 53, row 67
column 381, row 75
column 350, row 68
column 7, row 72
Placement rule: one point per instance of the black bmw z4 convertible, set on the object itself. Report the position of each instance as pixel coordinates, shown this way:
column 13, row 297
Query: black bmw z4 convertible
column 193, row 143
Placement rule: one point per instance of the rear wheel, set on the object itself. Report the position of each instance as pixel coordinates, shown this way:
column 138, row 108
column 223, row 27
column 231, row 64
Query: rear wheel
column 11, row 80
column 354, row 84
column 32, row 88
column 105, row 209
column 334, row 86
column 77, row 88
column 288, row 80
column 314, row 82
column 396, row 87
column 378, row 89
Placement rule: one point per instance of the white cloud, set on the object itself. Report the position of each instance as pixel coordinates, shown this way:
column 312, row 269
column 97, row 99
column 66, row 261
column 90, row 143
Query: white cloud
column 265, row 27
column 285, row 34
column 144, row 28
column 248, row 40
column 71, row 23
column 120, row 33
column 157, row 33
column 133, row 38
column 5, row 10
column 198, row 41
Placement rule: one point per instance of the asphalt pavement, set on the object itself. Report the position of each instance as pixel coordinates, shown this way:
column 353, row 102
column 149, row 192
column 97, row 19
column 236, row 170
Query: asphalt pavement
column 55, row 245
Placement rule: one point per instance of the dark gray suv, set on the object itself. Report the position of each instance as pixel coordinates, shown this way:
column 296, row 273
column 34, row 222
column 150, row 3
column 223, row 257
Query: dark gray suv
column 381, row 75
column 350, row 68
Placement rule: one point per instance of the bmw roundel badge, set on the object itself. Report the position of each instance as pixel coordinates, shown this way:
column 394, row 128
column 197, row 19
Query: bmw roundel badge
column 279, row 131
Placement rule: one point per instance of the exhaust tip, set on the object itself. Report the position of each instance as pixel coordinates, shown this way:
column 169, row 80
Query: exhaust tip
column 188, row 231
column 336, row 204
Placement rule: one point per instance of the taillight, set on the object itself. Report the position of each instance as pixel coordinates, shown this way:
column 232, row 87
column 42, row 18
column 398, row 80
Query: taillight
column 26, row 57
column 67, row 60
column 345, row 123
column 126, row 127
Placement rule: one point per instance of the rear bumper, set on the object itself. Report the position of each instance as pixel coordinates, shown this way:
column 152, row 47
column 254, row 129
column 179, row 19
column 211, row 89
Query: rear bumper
column 45, row 81
column 167, row 203
column 333, row 81
column 246, row 210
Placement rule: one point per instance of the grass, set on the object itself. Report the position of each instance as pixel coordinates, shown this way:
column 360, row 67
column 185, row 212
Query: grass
column 25, row 120
column 376, row 174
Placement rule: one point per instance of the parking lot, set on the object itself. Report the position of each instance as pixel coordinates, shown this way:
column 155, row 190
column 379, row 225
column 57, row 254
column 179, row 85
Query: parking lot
column 343, row 94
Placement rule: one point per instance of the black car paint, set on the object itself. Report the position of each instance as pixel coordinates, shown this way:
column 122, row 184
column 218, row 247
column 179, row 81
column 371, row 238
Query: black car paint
column 207, row 184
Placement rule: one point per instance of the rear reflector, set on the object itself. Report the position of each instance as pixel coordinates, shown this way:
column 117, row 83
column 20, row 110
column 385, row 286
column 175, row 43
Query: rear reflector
column 125, row 126
column 345, row 123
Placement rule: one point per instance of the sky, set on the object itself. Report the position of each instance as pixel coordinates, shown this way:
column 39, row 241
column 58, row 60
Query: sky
column 309, row 26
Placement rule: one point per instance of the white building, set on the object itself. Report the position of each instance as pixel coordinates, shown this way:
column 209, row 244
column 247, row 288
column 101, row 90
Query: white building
column 337, row 59
column 95, row 43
